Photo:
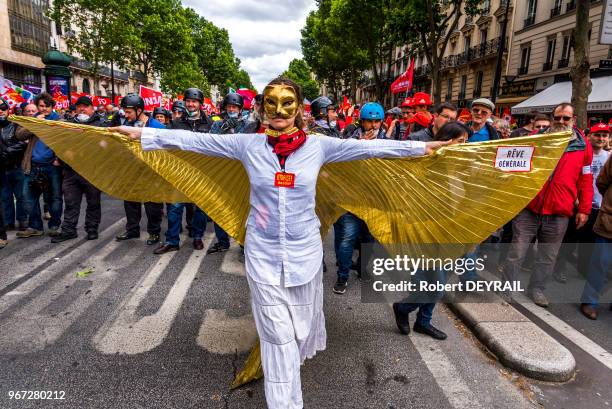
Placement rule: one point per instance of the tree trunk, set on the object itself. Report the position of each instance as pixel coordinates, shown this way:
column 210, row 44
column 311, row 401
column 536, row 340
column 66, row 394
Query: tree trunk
column 580, row 72
column 436, row 79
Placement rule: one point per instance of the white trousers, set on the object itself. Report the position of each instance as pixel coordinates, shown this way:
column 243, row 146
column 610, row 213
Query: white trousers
column 291, row 328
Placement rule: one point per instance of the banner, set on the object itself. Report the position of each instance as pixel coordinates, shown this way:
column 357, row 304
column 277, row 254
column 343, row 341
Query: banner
column 59, row 88
column 247, row 95
column 117, row 100
column 97, row 101
column 167, row 103
column 13, row 94
column 403, row 83
column 346, row 105
column 152, row 98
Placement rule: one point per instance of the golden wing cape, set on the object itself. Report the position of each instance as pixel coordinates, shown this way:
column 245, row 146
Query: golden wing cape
column 453, row 196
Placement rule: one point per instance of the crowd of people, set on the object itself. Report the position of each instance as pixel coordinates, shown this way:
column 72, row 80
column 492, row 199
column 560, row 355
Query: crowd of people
column 575, row 205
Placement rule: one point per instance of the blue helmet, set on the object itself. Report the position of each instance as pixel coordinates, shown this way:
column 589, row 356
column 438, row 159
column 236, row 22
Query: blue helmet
column 372, row 111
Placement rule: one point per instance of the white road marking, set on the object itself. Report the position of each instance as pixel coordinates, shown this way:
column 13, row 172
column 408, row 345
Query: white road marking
column 125, row 333
column 232, row 264
column 222, row 334
column 563, row 328
column 31, row 329
column 75, row 257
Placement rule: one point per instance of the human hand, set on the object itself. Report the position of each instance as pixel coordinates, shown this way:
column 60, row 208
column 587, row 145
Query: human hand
column 132, row 132
column 431, row 147
column 581, row 219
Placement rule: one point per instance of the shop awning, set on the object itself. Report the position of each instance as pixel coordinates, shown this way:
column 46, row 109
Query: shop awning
column 600, row 98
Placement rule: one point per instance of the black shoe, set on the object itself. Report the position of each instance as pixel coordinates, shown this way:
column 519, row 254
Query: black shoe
column 127, row 236
column 340, row 286
column 63, row 236
column 9, row 227
column 324, row 267
column 165, row 248
column 153, row 239
column 217, row 248
column 92, row 235
column 401, row 320
column 430, row 330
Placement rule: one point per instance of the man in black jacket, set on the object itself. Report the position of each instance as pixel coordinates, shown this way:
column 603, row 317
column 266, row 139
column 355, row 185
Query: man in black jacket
column 480, row 128
column 74, row 186
column 11, row 154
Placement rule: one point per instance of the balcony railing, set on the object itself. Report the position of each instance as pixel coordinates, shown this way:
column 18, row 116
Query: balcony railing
column 529, row 21
column 522, row 70
column 547, row 66
column 555, row 11
column 571, row 6
column 422, row 71
column 483, row 50
column 563, row 63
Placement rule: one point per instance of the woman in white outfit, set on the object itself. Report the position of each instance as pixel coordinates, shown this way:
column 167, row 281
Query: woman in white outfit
column 283, row 247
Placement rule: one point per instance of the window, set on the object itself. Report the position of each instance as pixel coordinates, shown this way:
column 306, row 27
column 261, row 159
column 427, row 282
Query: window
column 466, row 43
column 525, row 56
column 550, row 54
column 463, row 87
column 478, row 87
column 30, row 28
column 483, row 36
column 565, row 52
column 21, row 75
column 86, row 87
column 449, row 89
column 486, row 7
column 531, row 12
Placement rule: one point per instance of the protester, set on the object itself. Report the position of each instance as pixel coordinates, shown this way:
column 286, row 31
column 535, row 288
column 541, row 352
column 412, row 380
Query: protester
column 320, row 108
column 43, row 174
column 192, row 119
column 133, row 108
column 445, row 112
column 286, row 297
column 601, row 256
column 541, row 123
column 480, row 128
column 398, row 127
column 526, row 129
column 547, row 215
column 74, row 186
column 12, row 177
column 162, row 115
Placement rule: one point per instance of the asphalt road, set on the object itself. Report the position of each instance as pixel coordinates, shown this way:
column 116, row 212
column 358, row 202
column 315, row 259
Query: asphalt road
column 146, row 331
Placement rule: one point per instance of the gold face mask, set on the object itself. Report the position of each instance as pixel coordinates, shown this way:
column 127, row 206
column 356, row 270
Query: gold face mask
column 280, row 101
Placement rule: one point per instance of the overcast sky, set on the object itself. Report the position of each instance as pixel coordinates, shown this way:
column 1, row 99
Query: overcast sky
column 265, row 34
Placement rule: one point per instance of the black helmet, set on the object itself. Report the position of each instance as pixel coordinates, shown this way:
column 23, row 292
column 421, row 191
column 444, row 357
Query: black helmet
column 258, row 98
column 160, row 111
column 3, row 104
column 134, row 101
column 233, row 99
column 178, row 104
column 318, row 107
column 194, row 93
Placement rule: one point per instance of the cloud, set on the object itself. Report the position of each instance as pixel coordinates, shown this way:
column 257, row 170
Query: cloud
column 265, row 35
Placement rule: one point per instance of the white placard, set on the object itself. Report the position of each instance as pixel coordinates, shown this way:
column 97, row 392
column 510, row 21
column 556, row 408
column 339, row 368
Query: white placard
column 514, row 158
column 605, row 32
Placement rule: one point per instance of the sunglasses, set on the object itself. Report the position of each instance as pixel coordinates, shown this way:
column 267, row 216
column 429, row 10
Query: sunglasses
column 565, row 118
column 541, row 126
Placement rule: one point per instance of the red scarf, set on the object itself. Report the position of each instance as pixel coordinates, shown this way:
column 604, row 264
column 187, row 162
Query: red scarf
column 283, row 145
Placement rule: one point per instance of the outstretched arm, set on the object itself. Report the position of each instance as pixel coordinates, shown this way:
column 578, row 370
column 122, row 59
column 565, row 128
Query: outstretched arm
column 344, row 150
column 230, row 146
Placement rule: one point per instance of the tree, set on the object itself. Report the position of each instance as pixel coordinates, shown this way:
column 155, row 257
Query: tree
column 157, row 35
column 300, row 72
column 581, row 70
column 427, row 25
column 182, row 76
column 241, row 79
column 93, row 30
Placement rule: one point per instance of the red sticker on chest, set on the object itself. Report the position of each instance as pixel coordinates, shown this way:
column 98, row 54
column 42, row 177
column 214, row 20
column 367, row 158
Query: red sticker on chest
column 282, row 179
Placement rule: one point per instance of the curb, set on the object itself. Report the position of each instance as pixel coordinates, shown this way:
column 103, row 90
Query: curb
column 517, row 342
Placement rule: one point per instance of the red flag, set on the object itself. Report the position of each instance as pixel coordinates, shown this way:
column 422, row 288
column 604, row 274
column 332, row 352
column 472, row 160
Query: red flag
column 152, row 98
column 464, row 115
column 97, row 101
column 247, row 96
column 209, row 107
column 117, row 100
column 346, row 105
column 403, row 83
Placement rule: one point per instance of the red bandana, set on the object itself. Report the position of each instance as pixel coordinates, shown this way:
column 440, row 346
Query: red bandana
column 283, row 145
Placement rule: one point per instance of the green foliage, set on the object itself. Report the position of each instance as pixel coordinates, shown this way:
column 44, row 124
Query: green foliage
column 299, row 71
column 158, row 37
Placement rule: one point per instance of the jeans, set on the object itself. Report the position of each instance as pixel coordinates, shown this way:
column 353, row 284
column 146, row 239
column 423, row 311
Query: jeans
column 12, row 196
column 470, row 273
column 175, row 218
column 349, row 230
column 222, row 237
column 32, row 197
column 599, row 268
column 549, row 230
column 425, row 312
